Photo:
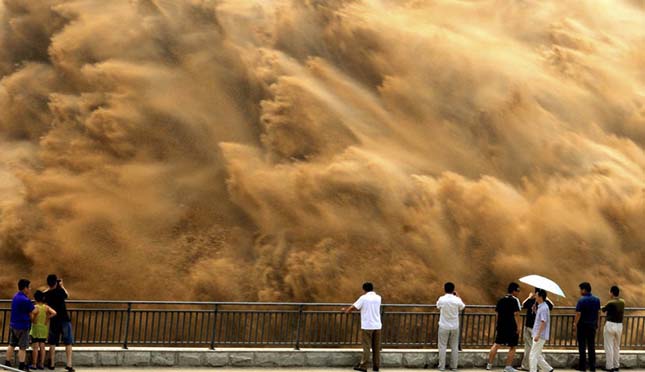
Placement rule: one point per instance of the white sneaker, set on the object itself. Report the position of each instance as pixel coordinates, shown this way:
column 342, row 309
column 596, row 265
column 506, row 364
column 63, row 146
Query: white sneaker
column 489, row 366
column 510, row 369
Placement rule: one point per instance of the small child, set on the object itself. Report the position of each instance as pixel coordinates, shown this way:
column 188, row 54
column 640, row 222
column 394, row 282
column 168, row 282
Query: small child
column 39, row 330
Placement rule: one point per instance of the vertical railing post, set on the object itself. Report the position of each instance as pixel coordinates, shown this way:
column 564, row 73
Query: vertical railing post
column 300, row 314
column 127, row 325
column 461, row 326
column 212, row 346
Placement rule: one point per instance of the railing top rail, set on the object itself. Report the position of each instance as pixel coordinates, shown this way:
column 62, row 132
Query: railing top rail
column 293, row 304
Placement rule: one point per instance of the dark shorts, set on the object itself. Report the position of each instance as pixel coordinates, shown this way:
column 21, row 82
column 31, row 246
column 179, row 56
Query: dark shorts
column 19, row 338
column 507, row 338
column 38, row 340
column 58, row 330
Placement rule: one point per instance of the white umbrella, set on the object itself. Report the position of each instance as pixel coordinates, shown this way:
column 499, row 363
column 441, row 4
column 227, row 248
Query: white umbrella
column 541, row 282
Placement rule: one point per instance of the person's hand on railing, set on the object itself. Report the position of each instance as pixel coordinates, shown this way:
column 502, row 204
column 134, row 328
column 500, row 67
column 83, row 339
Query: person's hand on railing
column 347, row 309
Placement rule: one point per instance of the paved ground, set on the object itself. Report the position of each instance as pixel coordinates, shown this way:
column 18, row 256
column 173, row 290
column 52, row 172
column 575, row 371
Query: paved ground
column 285, row 369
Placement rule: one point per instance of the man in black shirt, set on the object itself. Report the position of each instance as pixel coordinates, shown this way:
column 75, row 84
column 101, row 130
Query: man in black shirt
column 508, row 326
column 615, row 310
column 530, row 305
column 60, row 324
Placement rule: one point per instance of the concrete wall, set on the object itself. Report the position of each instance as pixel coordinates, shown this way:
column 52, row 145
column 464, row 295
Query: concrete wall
column 186, row 357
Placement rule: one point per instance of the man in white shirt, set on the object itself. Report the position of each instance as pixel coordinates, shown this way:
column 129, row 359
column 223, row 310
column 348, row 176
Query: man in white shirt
column 369, row 305
column 450, row 305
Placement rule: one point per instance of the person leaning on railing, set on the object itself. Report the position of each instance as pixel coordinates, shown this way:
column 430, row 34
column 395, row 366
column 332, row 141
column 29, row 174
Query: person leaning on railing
column 615, row 310
column 369, row 305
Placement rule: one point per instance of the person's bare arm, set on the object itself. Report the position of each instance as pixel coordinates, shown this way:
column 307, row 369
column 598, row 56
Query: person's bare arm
column 349, row 309
column 540, row 330
column 518, row 321
column 63, row 288
column 576, row 320
column 33, row 314
column 50, row 312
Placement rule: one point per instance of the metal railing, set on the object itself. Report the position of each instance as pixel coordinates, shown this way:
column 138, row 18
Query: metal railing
column 297, row 325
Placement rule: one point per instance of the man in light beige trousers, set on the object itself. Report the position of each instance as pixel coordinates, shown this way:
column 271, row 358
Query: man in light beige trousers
column 615, row 309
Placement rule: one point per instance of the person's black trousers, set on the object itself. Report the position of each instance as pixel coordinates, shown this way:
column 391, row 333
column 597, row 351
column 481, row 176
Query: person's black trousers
column 587, row 340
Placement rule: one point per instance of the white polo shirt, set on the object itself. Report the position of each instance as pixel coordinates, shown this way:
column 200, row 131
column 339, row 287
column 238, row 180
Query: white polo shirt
column 370, row 306
column 450, row 306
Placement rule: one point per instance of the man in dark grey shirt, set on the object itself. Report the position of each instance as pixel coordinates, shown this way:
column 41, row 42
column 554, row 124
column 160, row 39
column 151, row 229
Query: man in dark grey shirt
column 615, row 309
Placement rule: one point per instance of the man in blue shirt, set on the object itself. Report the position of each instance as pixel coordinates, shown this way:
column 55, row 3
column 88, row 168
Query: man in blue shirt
column 22, row 313
column 585, row 325
column 540, row 333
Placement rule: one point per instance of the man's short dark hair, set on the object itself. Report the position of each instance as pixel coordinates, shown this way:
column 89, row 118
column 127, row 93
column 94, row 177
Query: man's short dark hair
column 23, row 283
column 512, row 287
column 542, row 293
column 449, row 287
column 39, row 296
column 615, row 290
column 368, row 287
column 52, row 279
column 586, row 286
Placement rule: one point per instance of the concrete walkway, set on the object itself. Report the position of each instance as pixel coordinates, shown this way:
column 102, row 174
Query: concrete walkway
column 299, row 369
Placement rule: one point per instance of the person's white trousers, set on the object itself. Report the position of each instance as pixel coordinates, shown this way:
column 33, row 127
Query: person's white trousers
column 613, row 332
column 528, row 341
column 537, row 358
column 448, row 337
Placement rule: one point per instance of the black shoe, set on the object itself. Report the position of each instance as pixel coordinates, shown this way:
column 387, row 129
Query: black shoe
column 70, row 369
column 51, row 367
column 360, row 369
column 375, row 370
